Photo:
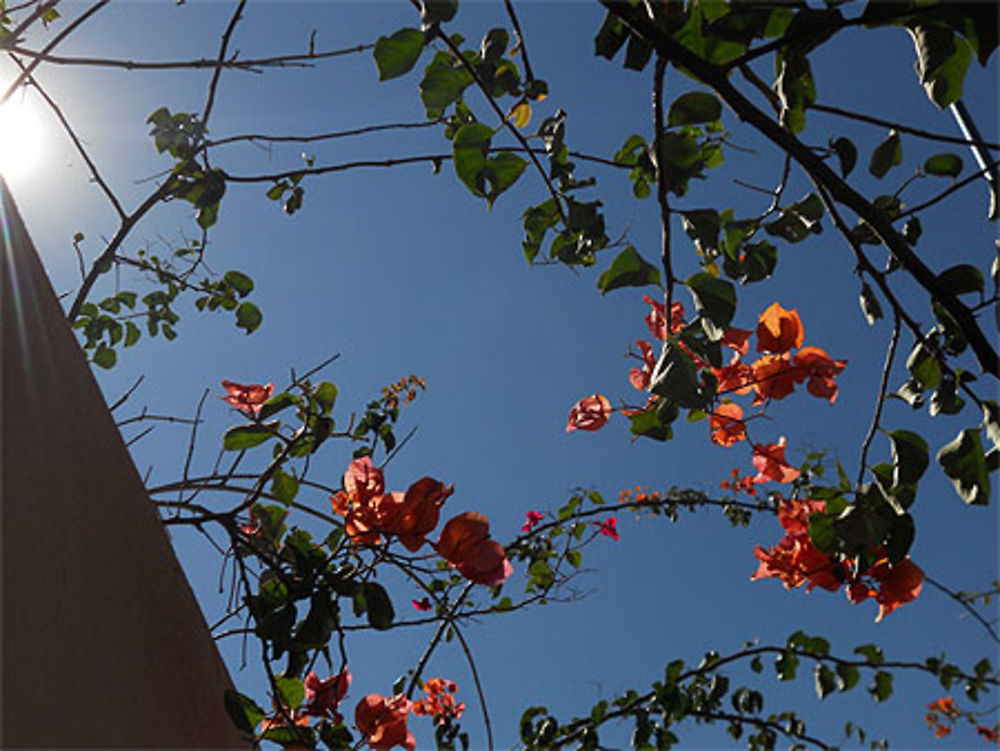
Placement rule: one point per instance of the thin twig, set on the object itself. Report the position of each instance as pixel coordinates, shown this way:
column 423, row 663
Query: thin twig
column 94, row 172
column 479, row 687
column 883, row 386
column 971, row 610
column 217, row 68
column 909, row 129
column 69, row 29
column 278, row 61
column 124, row 397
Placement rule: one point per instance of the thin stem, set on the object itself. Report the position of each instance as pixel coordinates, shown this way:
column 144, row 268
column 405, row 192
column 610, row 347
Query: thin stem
column 301, row 60
column 883, row 386
column 70, row 28
column 909, row 129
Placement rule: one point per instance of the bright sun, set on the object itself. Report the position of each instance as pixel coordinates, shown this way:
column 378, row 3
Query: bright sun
column 20, row 139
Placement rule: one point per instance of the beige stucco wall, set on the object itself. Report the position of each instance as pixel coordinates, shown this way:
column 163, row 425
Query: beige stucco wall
column 103, row 644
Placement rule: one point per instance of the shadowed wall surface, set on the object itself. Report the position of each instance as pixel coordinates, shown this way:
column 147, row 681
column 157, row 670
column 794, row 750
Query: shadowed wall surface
column 103, row 643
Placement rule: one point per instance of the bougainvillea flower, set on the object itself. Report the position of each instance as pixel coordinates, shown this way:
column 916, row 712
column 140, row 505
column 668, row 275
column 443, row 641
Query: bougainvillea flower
column 466, row 544
column 608, row 528
column 656, row 319
column 640, row 377
column 323, row 697
column 248, row 399
column 816, row 365
column 779, row 330
column 532, row 520
column 769, row 460
column 727, row 425
column 590, row 413
column 419, row 512
column 737, row 339
column 739, row 484
column 736, row 377
column 945, row 705
column 422, row 605
column 363, row 480
column 795, row 560
column 773, row 378
column 858, row 591
column 278, row 721
column 383, row 721
column 899, row 584
column 439, row 702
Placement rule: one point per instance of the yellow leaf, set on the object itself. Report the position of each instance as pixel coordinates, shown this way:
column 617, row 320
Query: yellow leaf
column 521, row 114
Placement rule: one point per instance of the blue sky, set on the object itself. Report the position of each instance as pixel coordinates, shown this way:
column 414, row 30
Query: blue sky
column 401, row 271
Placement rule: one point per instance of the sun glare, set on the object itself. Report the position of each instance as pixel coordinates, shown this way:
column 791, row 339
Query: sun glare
column 20, row 139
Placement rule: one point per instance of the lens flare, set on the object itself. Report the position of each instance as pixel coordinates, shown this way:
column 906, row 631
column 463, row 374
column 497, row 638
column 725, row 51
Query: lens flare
column 20, row 139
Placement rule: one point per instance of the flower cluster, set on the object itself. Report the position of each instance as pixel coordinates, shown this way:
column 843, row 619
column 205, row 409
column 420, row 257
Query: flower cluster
column 370, row 513
column 796, row 560
column 407, row 388
column 772, row 376
column 943, row 713
column 440, row 701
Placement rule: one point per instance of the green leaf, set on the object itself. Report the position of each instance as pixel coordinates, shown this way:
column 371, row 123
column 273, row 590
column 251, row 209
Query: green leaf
column 824, row 680
column 886, row 155
column 444, row 81
column 502, row 171
column 610, row 37
column 676, row 380
column 248, row 317
column 379, row 606
column 494, row 44
column 105, row 357
column 654, row 422
column 243, row 711
column 796, row 90
column 693, row 108
column 848, row 676
column 629, row 269
column 945, row 165
column 132, row 333
column 909, row 456
column 870, row 306
column 246, row 437
column 964, row 463
column 702, row 226
column 942, row 61
column 437, row 11
column 963, row 279
column 239, row 282
column 881, row 688
column 326, row 396
column 397, row 54
column 469, row 148
column 924, row 367
column 991, row 420
column 284, row 486
column 871, row 653
column 715, row 301
column 846, row 152
column 277, row 403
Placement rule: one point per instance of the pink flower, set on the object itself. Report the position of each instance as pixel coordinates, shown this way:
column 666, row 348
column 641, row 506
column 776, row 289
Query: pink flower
column 590, row 413
column 383, row 720
column 640, row 377
column 608, row 527
column 323, row 697
column 422, row 605
column 466, row 544
column 533, row 518
column 247, row 399
column 769, row 459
